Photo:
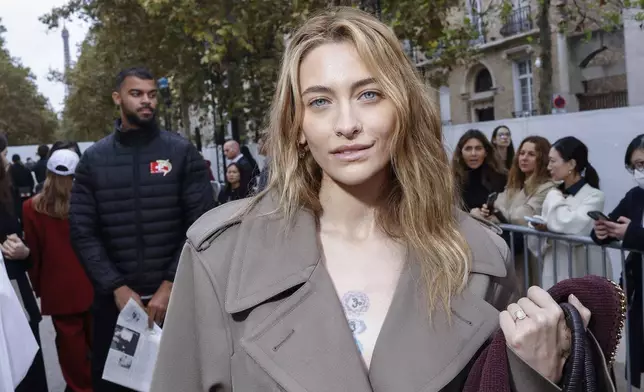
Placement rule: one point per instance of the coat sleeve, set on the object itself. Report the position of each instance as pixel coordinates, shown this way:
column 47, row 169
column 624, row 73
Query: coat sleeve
column 84, row 232
column 532, row 205
column 32, row 241
column 197, row 197
column 196, row 346
column 566, row 219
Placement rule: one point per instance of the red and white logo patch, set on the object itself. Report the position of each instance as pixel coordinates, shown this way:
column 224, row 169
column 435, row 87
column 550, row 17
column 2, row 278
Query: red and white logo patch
column 161, row 166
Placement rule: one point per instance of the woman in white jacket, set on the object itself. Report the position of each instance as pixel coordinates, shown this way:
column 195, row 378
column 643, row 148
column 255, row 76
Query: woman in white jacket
column 565, row 210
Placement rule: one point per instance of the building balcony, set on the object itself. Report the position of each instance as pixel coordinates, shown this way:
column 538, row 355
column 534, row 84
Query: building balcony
column 519, row 21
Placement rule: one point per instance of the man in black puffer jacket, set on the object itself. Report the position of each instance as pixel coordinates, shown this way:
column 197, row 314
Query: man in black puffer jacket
column 135, row 194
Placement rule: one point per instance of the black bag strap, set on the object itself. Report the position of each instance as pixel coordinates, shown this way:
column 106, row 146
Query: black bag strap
column 579, row 371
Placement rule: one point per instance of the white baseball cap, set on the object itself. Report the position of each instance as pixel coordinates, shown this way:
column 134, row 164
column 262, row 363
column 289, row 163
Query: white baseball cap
column 63, row 162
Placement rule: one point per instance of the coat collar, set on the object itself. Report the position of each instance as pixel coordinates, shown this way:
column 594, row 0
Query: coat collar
column 309, row 325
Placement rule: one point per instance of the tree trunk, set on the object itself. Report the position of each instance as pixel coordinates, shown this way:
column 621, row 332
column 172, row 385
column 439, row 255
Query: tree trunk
column 546, row 72
column 185, row 115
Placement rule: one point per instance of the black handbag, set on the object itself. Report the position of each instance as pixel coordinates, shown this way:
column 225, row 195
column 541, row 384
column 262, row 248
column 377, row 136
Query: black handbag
column 579, row 371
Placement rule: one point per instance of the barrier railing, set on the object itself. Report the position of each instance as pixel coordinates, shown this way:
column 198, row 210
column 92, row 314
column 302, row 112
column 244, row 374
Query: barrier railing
column 571, row 242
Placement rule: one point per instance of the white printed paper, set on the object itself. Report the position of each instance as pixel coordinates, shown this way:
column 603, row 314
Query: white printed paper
column 133, row 353
column 18, row 347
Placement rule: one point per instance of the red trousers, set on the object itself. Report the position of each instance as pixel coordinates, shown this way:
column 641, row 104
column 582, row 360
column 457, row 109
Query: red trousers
column 73, row 337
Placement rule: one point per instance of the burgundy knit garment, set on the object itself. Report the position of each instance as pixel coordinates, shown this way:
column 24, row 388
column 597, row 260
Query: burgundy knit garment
column 490, row 372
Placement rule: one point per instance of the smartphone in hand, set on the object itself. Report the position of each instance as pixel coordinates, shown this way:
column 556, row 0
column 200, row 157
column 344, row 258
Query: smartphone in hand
column 490, row 201
column 599, row 216
column 535, row 220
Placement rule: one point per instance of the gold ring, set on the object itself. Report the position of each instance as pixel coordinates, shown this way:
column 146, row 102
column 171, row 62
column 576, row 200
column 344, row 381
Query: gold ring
column 520, row 315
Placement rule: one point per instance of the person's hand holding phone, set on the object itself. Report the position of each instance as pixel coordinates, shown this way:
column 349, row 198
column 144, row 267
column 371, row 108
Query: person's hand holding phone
column 601, row 230
column 485, row 211
column 617, row 229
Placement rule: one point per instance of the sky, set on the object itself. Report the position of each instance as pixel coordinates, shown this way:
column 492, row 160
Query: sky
column 36, row 47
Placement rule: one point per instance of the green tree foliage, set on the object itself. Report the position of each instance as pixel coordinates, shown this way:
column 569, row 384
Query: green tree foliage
column 25, row 115
column 223, row 54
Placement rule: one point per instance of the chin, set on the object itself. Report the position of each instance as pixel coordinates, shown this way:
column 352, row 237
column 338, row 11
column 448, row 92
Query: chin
column 354, row 176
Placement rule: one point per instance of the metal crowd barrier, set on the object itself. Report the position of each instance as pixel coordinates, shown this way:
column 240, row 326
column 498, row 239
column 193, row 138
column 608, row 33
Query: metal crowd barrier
column 574, row 240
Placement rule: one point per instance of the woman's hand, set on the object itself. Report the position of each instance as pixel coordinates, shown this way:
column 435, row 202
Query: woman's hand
column 476, row 212
column 14, row 249
column 535, row 329
column 601, row 230
column 485, row 212
column 618, row 230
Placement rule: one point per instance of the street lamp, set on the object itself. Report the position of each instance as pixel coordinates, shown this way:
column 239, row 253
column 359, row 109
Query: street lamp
column 164, row 87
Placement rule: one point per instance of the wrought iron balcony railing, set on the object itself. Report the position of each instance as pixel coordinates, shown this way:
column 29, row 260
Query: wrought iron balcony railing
column 519, row 21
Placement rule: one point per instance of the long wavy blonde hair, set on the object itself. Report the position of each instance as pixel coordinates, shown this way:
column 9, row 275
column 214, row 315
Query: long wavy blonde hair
column 420, row 207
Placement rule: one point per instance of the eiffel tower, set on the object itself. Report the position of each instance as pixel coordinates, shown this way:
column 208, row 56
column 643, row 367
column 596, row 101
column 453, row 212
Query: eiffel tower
column 65, row 35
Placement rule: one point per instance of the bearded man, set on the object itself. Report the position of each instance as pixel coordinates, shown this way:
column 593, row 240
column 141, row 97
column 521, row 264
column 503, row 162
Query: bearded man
column 135, row 194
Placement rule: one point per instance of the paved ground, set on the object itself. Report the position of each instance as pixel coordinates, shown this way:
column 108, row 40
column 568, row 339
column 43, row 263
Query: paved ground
column 54, row 377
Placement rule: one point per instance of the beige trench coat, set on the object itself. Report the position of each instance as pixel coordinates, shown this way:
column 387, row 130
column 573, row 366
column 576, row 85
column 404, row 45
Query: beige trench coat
column 254, row 309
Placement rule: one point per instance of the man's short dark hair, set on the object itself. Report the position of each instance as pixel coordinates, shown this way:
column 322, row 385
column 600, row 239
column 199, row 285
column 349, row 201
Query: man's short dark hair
column 15, row 158
column 139, row 72
column 43, row 150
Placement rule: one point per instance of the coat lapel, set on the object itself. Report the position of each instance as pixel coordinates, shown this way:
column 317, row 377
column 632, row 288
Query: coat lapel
column 305, row 343
column 416, row 354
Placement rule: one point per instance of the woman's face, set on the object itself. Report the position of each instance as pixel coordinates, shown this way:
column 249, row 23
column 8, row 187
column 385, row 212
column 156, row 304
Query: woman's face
column 347, row 119
column 473, row 153
column 3, row 156
column 503, row 137
column 232, row 174
column 528, row 158
column 637, row 160
column 559, row 169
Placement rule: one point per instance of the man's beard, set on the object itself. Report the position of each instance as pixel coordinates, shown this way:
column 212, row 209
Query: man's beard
column 138, row 122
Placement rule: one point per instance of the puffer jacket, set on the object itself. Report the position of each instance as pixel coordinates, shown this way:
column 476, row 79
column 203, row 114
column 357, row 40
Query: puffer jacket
column 135, row 194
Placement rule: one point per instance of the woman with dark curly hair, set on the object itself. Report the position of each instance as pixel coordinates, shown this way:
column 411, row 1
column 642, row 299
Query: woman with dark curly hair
column 476, row 169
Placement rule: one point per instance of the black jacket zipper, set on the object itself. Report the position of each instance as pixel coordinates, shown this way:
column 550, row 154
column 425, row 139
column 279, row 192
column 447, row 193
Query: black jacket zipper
column 136, row 183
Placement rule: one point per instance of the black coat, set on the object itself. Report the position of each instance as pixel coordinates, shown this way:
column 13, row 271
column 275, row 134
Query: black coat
column 479, row 184
column 135, row 194
column 632, row 207
column 17, row 269
column 40, row 170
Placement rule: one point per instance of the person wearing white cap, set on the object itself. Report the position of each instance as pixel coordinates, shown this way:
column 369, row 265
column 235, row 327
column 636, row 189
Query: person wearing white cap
column 57, row 276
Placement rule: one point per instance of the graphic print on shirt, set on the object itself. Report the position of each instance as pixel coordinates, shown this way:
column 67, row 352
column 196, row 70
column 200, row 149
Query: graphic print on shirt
column 355, row 305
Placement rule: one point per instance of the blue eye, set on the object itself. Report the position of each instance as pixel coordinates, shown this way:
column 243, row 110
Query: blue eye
column 318, row 102
column 370, row 95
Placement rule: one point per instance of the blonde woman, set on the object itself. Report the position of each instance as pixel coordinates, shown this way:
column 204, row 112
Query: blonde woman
column 56, row 274
column 352, row 270
column 528, row 184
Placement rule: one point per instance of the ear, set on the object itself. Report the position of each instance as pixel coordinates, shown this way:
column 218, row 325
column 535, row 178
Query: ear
column 301, row 140
column 116, row 97
column 573, row 164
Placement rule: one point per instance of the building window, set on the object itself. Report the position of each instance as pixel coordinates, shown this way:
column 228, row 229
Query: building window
column 523, row 88
column 474, row 11
column 483, row 81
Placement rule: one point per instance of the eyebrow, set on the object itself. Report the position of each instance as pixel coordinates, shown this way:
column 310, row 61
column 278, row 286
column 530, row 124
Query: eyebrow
column 138, row 90
column 325, row 89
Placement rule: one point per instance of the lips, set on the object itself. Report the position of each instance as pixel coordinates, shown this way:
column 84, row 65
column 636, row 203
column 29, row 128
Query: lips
column 348, row 148
column 351, row 152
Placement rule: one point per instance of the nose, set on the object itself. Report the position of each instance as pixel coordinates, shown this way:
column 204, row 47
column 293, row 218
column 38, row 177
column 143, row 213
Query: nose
column 347, row 123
